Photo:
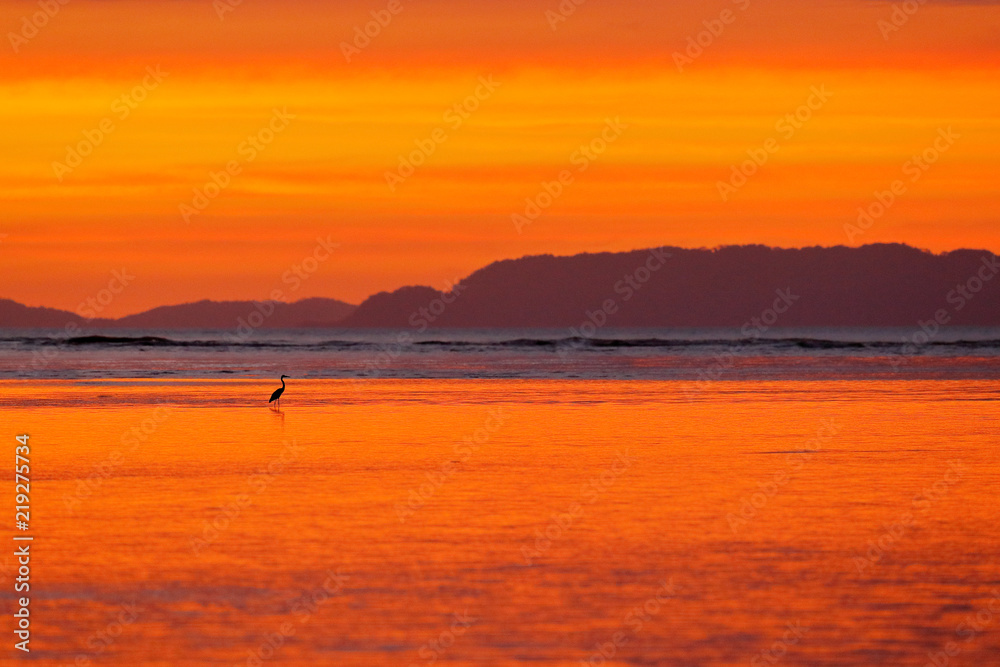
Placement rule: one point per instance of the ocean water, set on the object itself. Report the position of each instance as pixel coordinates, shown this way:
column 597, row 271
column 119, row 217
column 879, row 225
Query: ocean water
column 473, row 503
column 632, row 354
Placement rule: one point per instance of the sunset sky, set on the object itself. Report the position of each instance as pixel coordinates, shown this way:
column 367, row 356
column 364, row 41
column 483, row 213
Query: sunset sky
column 670, row 132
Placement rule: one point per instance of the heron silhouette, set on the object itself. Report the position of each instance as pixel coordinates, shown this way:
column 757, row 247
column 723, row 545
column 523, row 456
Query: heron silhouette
column 276, row 396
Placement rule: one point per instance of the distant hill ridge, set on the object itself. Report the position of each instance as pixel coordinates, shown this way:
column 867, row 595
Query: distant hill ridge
column 873, row 285
column 317, row 312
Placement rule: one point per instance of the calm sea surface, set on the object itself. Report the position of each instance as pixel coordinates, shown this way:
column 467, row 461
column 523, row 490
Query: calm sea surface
column 801, row 504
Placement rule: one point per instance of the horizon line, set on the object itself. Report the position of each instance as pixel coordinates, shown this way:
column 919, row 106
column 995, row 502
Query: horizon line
column 712, row 249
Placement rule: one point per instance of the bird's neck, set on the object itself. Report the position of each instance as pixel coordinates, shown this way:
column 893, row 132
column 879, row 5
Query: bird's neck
column 282, row 383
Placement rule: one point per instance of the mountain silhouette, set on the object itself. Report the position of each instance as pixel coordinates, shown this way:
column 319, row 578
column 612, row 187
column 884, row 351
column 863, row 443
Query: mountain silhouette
column 227, row 314
column 316, row 312
column 873, row 285
column 13, row 314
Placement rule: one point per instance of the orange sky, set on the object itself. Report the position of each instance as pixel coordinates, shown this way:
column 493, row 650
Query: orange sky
column 323, row 172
